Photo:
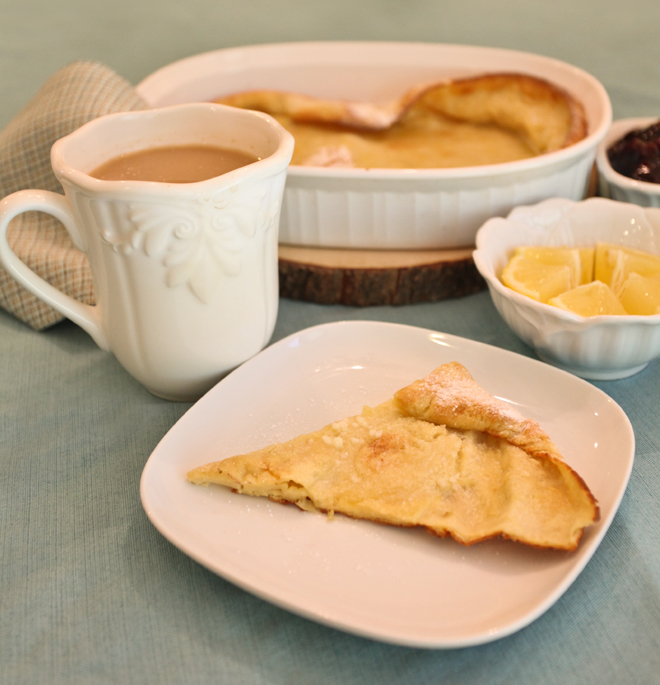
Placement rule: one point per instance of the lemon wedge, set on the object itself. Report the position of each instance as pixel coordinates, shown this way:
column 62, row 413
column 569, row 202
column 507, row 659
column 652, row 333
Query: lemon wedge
column 627, row 262
column 535, row 279
column 614, row 263
column 588, row 259
column 592, row 299
column 641, row 294
column 579, row 260
column 602, row 267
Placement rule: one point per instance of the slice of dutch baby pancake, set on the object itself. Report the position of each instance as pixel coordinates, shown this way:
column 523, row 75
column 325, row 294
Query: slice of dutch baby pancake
column 442, row 454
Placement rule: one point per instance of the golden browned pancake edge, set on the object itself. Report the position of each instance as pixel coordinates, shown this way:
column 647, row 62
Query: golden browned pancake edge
column 549, row 116
column 543, row 116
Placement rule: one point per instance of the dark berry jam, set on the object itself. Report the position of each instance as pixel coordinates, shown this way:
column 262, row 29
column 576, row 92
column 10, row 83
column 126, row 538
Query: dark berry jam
column 637, row 154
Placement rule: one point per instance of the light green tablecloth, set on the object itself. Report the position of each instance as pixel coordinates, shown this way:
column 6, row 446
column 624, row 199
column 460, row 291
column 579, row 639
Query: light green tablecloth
column 90, row 592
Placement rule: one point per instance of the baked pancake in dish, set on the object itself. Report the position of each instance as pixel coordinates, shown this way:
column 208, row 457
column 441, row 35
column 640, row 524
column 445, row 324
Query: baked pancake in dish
column 487, row 119
column 442, row 454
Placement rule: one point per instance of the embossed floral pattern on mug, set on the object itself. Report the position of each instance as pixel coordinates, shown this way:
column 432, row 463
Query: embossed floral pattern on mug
column 199, row 243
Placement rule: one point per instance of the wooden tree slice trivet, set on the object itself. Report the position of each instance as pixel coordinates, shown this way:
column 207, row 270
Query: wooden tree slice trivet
column 372, row 277
column 364, row 278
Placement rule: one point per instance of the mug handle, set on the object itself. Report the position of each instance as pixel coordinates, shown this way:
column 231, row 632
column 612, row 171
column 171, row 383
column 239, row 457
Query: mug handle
column 86, row 316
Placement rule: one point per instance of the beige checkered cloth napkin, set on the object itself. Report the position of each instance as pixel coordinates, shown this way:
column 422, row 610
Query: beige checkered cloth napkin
column 74, row 95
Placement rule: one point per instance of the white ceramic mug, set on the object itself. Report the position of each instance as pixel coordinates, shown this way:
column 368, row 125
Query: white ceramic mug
column 186, row 275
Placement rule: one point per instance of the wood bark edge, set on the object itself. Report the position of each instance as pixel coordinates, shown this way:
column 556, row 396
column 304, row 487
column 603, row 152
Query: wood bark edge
column 427, row 281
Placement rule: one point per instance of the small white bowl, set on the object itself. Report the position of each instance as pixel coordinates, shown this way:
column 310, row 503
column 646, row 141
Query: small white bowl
column 615, row 185
column 392, row 208
column 599, row 347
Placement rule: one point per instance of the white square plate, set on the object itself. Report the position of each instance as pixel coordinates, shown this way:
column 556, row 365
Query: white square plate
column 396, row 585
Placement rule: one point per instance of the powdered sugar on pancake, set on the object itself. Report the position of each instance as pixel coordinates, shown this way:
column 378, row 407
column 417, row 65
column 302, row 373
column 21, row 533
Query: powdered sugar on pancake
column 450, row 396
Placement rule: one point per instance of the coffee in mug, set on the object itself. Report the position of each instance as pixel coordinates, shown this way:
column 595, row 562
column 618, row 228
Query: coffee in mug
column 173, row 164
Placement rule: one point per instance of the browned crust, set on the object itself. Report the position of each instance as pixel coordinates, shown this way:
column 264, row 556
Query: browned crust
column 308, row 109
column 450, row 396
column 528, row 104
column 524, row 88
column 441, row 533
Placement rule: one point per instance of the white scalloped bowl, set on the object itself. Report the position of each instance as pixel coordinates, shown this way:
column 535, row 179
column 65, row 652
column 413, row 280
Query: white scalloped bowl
column 599, row 347
column 616, row 186
column 392, row 208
